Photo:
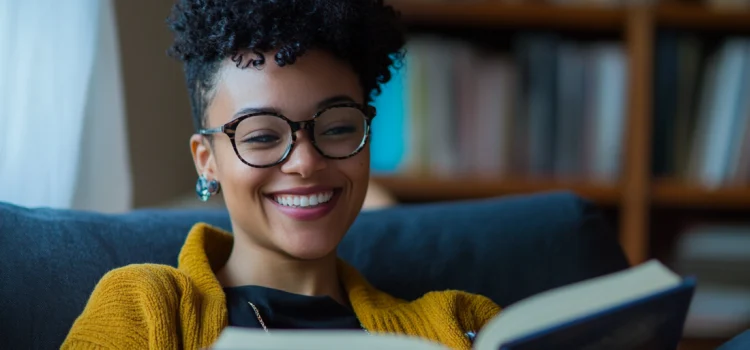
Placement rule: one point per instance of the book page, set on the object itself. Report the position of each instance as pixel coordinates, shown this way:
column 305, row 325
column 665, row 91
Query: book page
column 236, row 338
column 570, row 302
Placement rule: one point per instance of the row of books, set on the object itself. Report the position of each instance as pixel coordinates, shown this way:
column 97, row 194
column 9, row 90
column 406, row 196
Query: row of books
column 718, row 256
column 701, row 109
column 547, row 107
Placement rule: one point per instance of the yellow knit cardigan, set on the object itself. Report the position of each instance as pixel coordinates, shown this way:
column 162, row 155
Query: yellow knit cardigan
column 161, row 307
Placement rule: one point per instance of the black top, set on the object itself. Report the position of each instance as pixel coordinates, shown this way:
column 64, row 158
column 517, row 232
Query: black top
column 284, row 310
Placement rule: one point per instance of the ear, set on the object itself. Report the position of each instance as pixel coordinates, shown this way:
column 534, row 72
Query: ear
column 203, row 156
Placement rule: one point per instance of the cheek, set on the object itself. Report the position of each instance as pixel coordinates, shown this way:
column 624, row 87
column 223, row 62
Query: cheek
column 240, row 182
column 357, row 169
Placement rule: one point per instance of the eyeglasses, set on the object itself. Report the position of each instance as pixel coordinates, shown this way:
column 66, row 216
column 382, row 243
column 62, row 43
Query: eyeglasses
column 263, row 139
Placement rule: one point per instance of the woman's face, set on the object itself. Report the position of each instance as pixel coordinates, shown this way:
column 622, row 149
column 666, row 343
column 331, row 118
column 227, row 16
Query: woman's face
column 297, row 91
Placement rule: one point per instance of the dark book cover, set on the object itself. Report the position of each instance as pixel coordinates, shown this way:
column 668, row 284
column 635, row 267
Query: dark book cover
column 651, row 323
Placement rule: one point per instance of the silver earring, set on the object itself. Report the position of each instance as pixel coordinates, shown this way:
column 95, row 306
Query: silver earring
column 205, row 188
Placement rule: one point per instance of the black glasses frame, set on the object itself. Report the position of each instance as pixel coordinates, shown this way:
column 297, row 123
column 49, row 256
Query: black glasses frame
column 230, row 129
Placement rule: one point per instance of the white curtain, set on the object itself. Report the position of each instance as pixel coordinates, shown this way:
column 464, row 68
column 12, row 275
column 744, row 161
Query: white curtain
column 62, row 128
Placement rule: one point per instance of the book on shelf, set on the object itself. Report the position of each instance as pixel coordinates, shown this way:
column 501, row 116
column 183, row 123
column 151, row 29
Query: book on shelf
column 702, row 109
column 545, row 105
column 643, row 307
column 719, row 256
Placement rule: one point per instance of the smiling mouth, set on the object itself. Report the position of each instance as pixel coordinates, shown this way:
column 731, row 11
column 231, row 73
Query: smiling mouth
column 303, row 201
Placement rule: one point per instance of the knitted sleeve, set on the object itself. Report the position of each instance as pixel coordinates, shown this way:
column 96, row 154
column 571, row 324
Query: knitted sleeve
column 133, row 307
column 473, row 312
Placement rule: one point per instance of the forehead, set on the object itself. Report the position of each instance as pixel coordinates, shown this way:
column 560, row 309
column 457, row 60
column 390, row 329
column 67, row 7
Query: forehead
column 295, row 90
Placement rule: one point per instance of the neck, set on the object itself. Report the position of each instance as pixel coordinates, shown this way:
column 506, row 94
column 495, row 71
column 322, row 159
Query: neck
column 250, row 264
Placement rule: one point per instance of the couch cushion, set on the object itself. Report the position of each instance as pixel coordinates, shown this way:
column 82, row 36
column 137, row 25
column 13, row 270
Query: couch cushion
column 739, row 342
column 507, row 249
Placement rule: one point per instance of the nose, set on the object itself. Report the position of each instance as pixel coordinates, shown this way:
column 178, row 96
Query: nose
column 304, row 159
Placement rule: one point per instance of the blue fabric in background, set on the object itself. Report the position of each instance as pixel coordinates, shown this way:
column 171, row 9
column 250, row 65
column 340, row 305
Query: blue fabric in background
column 506, row 249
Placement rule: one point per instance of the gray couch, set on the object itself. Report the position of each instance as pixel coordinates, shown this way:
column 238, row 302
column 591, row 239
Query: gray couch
column 506, row 248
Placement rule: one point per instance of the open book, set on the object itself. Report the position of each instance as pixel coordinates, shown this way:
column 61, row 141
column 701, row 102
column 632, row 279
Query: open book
column 643, row 307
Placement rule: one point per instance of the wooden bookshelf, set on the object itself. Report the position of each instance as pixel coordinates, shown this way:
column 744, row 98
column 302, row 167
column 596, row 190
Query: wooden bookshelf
column 698, row 17
column 580, row 17
column 677, row 194
column 486, row 13
column 673, row 194
column 418, row 189
column 636, row 191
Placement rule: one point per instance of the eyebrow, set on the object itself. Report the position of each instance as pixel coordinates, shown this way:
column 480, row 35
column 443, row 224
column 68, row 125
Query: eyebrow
column 272, row 110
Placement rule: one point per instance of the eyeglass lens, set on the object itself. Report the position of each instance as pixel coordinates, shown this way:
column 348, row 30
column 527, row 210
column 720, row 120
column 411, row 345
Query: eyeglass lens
column 264, row 139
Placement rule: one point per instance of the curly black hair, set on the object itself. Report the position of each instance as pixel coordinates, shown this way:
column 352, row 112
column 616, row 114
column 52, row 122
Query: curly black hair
column 364, row 33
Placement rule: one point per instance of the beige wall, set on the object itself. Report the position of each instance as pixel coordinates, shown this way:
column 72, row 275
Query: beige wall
column 158, row 111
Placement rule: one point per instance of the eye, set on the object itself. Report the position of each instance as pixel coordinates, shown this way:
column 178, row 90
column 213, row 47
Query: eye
column 268, row 138
column 338, row 130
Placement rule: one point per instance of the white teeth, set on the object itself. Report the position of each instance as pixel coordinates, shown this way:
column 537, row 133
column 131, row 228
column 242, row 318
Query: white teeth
column 304, row 201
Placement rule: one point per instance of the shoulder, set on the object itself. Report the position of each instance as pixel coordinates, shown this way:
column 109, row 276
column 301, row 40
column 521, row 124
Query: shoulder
column 142, row 276
column 125, row 302
column 139, row 285
column 134, row 282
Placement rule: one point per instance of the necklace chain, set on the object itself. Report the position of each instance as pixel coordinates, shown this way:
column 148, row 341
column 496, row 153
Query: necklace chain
column 257, row 314
column 263, row 324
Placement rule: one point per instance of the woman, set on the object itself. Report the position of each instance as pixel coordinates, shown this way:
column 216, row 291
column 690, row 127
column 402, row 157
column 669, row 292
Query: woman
column 279, row 92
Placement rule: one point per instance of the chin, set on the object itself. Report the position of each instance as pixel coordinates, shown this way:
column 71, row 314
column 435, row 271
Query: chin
column 310, row 253
column 310, row 246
